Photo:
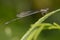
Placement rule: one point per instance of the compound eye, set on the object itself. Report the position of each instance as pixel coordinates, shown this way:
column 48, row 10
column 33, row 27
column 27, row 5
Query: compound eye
column 44, row 11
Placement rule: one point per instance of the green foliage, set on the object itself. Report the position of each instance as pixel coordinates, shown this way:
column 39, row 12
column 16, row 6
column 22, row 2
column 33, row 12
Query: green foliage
column 36, row 28
column 17, row 29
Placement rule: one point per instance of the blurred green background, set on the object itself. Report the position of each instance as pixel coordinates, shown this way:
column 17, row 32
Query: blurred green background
column 15, row 30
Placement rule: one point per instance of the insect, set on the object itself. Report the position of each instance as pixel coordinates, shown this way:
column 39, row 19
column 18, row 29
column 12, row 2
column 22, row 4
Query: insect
column 27, row 13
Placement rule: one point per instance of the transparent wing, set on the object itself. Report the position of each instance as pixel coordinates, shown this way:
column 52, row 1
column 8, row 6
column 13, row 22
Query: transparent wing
column 27, row 13
column 21, row 15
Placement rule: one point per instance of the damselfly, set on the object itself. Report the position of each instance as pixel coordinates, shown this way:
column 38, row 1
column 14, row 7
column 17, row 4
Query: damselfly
column 27, row 13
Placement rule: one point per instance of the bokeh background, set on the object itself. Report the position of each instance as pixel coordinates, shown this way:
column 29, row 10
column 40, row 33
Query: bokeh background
column 15, row 30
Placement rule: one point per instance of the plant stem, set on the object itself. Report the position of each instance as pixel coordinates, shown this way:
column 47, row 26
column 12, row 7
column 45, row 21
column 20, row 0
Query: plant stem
column 37, row 24
column 45, row 17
